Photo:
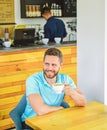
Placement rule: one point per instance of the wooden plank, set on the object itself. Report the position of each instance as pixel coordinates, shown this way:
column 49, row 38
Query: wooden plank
column 12, row 94
column 5, row 112
column 20, row 67
column 5, row 124
column 22, row 57
column 6, row 84
column 10, row 100
column 11, row 89
column 8, row 106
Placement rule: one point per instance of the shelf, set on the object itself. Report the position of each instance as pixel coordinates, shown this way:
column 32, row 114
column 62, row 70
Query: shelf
column 59, row 8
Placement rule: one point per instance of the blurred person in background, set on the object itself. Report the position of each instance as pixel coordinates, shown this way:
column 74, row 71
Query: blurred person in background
column 54, row 27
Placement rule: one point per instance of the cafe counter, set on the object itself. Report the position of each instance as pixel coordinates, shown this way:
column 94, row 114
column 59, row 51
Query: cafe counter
column 36, row 45
column 17, row 63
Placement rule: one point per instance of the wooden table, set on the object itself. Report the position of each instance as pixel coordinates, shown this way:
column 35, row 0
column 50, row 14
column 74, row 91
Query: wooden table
column 91, row 117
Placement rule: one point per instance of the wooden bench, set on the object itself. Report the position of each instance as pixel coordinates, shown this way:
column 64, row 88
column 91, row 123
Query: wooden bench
column 15, row 67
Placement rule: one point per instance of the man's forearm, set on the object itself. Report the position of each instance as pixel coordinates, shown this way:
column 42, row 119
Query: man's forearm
column 38, row 105
column 78, row 98
column 46, row 109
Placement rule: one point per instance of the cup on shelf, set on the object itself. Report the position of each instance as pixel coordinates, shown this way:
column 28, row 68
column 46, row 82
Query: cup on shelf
column 57, row 39
column 45, row 41
column 7, row 43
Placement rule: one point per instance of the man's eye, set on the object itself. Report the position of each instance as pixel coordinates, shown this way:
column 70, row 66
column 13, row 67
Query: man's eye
column 46, row 64
column 54, row 65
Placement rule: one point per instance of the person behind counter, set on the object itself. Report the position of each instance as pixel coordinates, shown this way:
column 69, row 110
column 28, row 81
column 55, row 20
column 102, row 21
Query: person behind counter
column 54, row 27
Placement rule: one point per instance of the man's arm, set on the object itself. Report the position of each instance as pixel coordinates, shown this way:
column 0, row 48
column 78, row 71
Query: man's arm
column 75, row 94
column 38, row 105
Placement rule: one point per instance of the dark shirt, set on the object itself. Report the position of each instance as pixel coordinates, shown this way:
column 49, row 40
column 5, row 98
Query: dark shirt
column 54, row 28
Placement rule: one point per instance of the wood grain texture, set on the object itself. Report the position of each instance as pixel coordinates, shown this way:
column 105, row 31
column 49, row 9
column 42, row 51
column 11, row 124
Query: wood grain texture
column 15, row 67
column 91, row 117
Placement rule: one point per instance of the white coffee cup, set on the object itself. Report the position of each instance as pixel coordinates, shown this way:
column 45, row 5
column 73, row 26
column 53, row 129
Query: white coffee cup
column 7, row 43
column 57, row 39
column 45, row 40
column 58, row 87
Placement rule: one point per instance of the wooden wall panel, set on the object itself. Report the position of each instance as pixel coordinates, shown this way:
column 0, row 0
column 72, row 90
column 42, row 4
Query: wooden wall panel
column 15, row 67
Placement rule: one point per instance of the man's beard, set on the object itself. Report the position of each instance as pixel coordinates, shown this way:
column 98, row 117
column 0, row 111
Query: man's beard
column 52, row 75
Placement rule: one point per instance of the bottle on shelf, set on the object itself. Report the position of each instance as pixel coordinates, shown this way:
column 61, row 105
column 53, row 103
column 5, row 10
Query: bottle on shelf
column 38, row 10
column 6, row 34
column 52, row 9
column 55, row 9
column 46, row 5
column 59, row 11
column 27, row 10
column 30, row 10
column 34, row 10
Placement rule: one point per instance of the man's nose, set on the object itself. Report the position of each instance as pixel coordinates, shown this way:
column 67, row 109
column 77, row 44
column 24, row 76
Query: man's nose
column 50, row 67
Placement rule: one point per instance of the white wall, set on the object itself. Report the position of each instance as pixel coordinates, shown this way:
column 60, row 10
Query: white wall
column 105, row 92
column 90, row 44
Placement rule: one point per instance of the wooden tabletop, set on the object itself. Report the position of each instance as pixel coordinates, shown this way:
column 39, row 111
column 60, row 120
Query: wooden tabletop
column 91, row 117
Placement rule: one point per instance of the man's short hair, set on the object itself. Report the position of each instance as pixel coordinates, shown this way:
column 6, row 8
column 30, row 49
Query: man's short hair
column 54, row 52
column 45, row 10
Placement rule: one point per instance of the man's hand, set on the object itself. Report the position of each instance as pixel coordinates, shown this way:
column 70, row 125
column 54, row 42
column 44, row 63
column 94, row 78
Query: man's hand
column 68, row 90
column 75, row 94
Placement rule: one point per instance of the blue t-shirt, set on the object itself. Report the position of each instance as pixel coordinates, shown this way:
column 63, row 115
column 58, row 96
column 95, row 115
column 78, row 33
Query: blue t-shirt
column 54, row 28
column 36, row 84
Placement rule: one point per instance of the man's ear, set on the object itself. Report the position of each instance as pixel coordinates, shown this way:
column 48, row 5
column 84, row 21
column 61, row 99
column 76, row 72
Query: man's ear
column 61, row 64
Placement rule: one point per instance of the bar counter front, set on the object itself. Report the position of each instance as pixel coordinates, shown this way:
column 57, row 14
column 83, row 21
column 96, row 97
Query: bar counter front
column 17, row 63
